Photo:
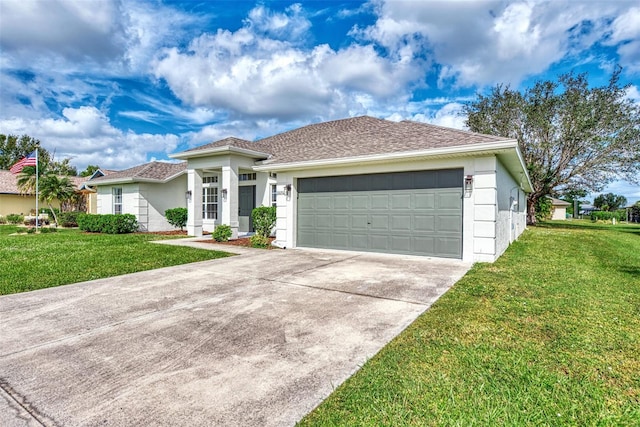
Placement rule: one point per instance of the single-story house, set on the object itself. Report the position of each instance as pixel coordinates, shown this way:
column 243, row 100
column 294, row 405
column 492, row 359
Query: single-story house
column 90, row 191
column 559, row 208
column 360, row 183
column 145, row 191
column 13, row 201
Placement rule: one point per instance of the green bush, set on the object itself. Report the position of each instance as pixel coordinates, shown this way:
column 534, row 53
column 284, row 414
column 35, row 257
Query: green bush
column 544, row 209
column 15, row 218
column 619, row 215
column 69, row 219
column 177, row 217
column 264, row 219
column 109, row 223
column 31, row 230
column 259, row 241
column 222, row 233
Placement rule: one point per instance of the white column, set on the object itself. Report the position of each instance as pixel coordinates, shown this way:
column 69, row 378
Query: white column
column 194, row 203
column 230, row 202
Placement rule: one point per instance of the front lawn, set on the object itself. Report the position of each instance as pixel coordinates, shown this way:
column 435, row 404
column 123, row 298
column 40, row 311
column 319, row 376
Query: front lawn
column 29, row 262
column 547, row 335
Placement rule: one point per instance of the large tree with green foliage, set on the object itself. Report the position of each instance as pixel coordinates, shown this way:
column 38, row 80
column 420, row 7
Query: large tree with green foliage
column 14, row 148
column 572, row 136
column 609, row 202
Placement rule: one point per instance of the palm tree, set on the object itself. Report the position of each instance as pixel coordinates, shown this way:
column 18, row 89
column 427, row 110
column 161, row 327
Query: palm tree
column 55, row 187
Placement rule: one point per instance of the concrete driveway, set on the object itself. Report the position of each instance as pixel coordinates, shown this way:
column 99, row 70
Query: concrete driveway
column 258, row 339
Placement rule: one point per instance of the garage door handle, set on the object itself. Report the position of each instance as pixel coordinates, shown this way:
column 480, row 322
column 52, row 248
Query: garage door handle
column 368, row 223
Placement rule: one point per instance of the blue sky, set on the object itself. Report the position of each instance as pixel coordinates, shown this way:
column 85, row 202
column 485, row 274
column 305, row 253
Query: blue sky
column 119, row 83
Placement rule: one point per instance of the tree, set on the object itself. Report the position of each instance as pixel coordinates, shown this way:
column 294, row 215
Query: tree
column 63, row 168
column 54, row 187
column 13, row 149
column 571, row 136
column 89, row 170
column 609, row 202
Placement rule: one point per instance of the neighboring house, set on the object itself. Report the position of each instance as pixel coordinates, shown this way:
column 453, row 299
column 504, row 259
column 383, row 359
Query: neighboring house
column 559, row 208
column 89, row 190
column 145, row 191
column 364, row 184
column 12, row 201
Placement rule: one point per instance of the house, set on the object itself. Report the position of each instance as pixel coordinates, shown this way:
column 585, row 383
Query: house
column 366, row 184
column 559, row 208
column 145, row 191
column 12, row 201
column 90, row 191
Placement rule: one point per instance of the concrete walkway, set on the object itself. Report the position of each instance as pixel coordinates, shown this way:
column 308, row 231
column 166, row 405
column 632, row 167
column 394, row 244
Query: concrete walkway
column 254, row 340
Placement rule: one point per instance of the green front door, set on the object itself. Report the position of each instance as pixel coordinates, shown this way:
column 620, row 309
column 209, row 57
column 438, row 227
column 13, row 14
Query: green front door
column 406, row 212
column 246, row 204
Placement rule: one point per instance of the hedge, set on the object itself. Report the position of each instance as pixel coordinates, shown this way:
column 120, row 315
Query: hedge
column 69, row 219
column 110, row 223
column 619, row 215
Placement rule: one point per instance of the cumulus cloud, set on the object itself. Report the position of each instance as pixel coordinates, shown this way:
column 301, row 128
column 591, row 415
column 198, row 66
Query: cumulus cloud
column 86, row 135
column 261, row 71
column 486, row 42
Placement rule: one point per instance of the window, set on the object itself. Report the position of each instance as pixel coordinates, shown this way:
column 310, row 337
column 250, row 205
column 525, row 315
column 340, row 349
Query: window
column 247, row 177
column 274, row 194
column 209, row 179
column 210, row 203
column 117, row 200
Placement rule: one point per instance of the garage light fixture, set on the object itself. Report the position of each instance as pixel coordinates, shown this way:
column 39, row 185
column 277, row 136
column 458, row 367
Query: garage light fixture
column 224, row 194
column 187, row 195
column 468, row 183
column 287, row 190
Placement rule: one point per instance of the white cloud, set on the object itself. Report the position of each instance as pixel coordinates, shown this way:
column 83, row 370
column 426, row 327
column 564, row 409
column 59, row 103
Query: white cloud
column 86, row 136
column 487, row 42
column 251, row 72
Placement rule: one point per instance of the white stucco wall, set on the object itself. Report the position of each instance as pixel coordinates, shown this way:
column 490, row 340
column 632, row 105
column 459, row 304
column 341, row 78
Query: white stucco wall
column 559, row 212
column 129, row 198
column 485, row 209
column 155, row 198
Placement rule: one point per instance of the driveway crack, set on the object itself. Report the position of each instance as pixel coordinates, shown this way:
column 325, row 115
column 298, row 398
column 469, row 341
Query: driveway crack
column 24, row 403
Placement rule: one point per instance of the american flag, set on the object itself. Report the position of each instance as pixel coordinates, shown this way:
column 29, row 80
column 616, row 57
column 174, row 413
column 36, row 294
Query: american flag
column 30, row 160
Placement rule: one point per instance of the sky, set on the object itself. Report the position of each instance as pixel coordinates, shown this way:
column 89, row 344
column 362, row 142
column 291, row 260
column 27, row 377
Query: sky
column 123, row 82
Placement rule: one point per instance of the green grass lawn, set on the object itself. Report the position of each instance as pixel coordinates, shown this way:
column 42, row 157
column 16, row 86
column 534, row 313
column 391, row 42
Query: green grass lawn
column 548, row 335
column 29, row 262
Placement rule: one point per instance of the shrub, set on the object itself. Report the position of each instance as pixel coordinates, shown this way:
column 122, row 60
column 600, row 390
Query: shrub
column 259, row 241
column 177, row 217
column 543, row 209
column 31, row 222
column 264, row 219
column 15, row 218
column 31, row 230
column 619, row 215
column 222, row 233
column 3, row 220
column 69, row 219
column 109, row 223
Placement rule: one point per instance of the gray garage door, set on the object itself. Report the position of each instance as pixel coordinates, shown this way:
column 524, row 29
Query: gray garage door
column 416, row 212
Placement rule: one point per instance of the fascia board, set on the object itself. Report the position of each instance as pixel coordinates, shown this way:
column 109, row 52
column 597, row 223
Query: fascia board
column 227, row 149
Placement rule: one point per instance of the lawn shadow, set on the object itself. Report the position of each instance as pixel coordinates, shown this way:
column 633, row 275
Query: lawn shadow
column 633, row 228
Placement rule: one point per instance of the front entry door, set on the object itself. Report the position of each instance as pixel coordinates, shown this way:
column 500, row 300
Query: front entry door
column 247, row 202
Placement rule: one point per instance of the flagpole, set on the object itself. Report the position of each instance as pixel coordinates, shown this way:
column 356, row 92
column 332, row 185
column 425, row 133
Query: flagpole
column 37, row 211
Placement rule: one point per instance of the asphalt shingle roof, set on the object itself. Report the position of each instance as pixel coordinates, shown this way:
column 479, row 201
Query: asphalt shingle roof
column 9, row 182
column 353, row 137
column 159, row 171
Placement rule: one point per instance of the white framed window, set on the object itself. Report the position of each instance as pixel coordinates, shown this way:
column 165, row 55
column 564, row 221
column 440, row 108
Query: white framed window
column 247, row 177
column 210, row 203
column 274, row 195
column 209, row 179
column 117, row 200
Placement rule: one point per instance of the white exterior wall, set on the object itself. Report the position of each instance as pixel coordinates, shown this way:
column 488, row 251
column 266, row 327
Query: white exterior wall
column 129, row 198
column 485, row 227
column 155, row 198
column 511, row 220
column 559, row 212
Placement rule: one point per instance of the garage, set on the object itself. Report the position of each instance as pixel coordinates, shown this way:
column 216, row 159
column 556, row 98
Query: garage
column 415, row 212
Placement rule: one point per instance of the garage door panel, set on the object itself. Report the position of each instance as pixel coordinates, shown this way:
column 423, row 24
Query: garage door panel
column 400, row 213
column 449, row 200
column 400, row 223
column 401, row 201
column 424, row 223
column 359, row 201
column 424, row 201
column 380, row 202
column 379, row 222
column 449, row 223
